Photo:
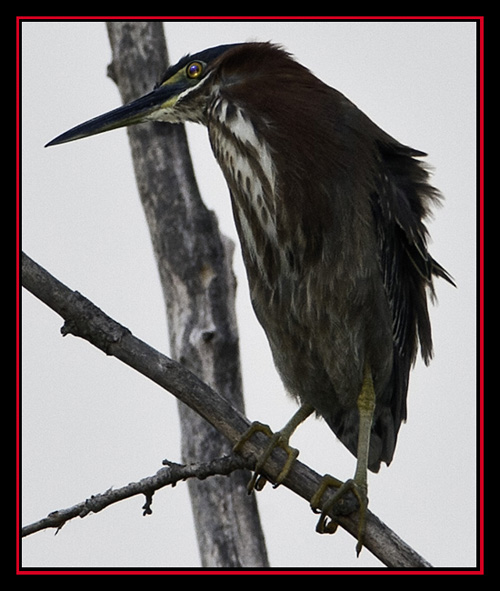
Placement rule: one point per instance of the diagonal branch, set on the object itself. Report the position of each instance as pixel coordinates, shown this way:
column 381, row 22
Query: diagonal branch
column 84, row 319
column 170, row 475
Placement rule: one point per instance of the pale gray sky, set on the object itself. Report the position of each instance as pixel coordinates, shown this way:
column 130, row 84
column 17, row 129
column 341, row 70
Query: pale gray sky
column 90, row 423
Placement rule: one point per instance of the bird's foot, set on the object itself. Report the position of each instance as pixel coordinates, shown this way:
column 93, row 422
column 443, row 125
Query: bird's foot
column 328, row 525
column 278, row 439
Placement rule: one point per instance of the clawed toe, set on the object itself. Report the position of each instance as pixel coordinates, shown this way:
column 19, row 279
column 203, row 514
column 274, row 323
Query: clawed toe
column 277, row 439
column 327, row 524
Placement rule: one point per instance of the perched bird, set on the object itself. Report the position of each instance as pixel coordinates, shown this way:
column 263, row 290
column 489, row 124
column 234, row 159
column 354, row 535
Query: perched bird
column 330, row 213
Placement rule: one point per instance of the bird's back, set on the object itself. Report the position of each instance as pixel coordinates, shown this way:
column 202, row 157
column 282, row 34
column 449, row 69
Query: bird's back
column 330, row 213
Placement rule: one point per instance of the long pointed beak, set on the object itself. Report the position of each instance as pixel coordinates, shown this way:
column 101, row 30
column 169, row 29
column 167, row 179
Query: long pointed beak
column 142, row 109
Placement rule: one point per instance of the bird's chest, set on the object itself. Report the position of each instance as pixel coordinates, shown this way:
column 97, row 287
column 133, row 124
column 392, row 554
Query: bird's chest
column 247, row 165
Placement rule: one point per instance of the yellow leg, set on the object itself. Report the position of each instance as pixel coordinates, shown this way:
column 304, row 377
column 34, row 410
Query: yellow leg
column 359, row 484
column 278, row 439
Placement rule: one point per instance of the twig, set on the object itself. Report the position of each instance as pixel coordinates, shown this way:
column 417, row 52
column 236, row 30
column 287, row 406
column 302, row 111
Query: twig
column 171, row 474
column 84, row 319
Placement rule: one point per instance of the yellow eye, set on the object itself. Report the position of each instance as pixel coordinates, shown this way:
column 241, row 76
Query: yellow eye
column 194, row 70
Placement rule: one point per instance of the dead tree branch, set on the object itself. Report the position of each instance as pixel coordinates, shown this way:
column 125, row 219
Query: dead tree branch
column 170, row 475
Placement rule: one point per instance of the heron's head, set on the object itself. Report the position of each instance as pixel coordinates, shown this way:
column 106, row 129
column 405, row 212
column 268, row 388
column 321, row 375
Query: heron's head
column 188, row 88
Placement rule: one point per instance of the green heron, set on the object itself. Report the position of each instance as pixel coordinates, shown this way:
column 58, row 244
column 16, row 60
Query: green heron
column 330, row 213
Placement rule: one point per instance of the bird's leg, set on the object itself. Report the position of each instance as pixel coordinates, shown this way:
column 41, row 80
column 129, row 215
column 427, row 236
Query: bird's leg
column 278, row 439
column 359, row 484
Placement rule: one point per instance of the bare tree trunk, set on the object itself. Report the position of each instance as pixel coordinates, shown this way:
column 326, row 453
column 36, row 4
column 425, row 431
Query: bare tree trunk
column 194, row 262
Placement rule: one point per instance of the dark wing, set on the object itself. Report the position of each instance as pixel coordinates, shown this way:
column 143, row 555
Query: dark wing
column 400, row 203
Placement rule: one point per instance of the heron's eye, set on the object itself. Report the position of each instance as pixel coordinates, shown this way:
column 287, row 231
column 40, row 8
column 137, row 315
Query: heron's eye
column 194, row 70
